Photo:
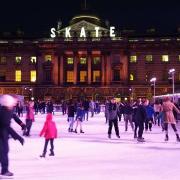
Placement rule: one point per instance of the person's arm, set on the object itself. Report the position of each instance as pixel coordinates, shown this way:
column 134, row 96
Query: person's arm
column 15, row 135
column 43, row 129
column 18, row 121
column 176, row 109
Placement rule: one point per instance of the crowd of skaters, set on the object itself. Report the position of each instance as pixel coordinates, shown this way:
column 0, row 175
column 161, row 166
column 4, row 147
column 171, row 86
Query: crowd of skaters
column 139, row 114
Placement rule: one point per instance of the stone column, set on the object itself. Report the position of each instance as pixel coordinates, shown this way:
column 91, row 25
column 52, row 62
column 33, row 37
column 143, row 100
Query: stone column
column 124, row 67
column 75, row 67
column 102, row 70
column 108, row 69
column 55, row 69
column 89, row 67
column 59, row 60
column 61, row 69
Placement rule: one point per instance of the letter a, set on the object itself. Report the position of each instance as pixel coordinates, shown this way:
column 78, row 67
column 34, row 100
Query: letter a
column 83, row 32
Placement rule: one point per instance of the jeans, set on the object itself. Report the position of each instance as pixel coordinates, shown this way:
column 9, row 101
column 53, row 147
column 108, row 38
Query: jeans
column 46, row 144
column 115, row 123
column 71, row 122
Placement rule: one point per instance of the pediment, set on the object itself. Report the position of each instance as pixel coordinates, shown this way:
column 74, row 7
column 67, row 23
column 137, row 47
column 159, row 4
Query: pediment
column 87, row 25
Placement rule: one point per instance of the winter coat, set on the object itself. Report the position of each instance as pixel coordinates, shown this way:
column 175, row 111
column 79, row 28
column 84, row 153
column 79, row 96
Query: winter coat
column 149, row 111
column 112, row 111
column 128, row 109
column 30, row 113
column 80, row 114
column 168, row 112
column 5, row 120
column 71, row 110
column 50, row 107
column 49, row 129
column 140, row 114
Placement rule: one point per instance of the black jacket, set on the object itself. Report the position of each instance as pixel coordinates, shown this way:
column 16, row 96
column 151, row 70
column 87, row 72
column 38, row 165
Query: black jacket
column 140, row 114
column 5, row 129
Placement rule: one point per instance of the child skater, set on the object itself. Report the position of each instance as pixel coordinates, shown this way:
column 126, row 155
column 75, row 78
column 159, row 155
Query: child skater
column 50, row 132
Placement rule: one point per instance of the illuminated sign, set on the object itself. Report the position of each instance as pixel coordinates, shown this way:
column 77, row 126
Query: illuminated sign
column 83, row 32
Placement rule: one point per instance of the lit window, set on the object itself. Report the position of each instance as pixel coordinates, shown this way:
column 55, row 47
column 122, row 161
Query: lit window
column 2, row 60
column 133, row 59
column 96, row 60
column 131, row 77
column 179, row 57
column 165, row 58
column 96, row 76
column 33, row 76
column 83, row 60
column 70, row 76
column 149, row 58
column 48, row 58
column 18, row 59
column 18, row 76
column 83, row 76
column 69, row 60
column 33, row 59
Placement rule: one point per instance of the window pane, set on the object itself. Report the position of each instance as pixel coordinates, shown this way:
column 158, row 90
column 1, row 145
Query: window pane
column 70, row 76
column 18, row 76
column 133, row 59
column 96, row 76
column 48, row 58
column 33, row 59
column 131, row 77
column 83, row 76
column 96, row 60
column 69, row 60
column 2, row 60
column 33, row 76
column 149, row 58
column 179, row 57
column 18, row 59
column 83, row 60
column 165, row 58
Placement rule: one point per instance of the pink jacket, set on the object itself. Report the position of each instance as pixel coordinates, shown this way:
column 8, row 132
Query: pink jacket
column 168, row 110
column 49, row 130
column 30, row 113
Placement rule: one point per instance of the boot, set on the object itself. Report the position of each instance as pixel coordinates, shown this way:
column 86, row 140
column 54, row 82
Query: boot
column 43, row 155
column 8, row 173
column 177, row 137
column 135, row 136
column 51, row 154
column 75, row 131
column 140, row 140
column 109, row 136
column 167, row 137
column 81, row 131
column 118, row 136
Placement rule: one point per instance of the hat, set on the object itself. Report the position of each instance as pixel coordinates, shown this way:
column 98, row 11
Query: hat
column 8, row 100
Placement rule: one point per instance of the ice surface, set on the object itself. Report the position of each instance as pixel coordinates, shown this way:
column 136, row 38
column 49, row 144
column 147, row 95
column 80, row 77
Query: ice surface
column 92, row 156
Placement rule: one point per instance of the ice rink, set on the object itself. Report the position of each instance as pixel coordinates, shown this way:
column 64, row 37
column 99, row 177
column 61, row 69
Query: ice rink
column 92, row 156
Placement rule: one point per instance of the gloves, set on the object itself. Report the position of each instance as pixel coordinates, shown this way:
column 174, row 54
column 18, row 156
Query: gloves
column 23, row 126
column 21, row 140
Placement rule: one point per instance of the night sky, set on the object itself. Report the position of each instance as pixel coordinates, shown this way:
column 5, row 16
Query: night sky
column 37, row 16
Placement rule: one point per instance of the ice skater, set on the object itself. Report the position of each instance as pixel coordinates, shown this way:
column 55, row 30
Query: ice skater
column 113, row 117
column 168, row 107
column 29, row 118
column 79, row 118
column 6, row 113
column 140, row 117
column 50, row 133
column 71, row 113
